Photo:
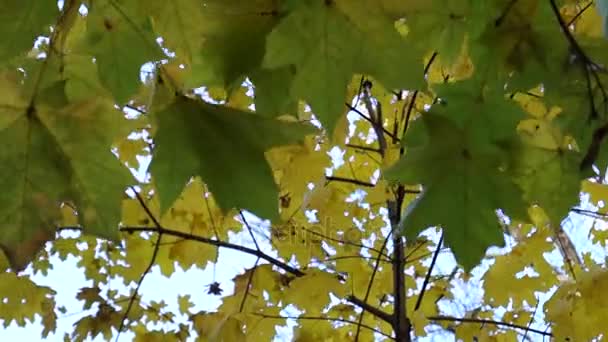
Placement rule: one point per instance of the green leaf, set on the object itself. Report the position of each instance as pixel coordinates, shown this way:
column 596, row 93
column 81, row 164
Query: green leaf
column 226, row 148
column 463, row 188
column 272, row 91
column 179, row 22
column 522, row 41
column 549, row 178
column 330, row 41
column 120, row 46
column 442, row 26
column 481, row 108
column 61, row 152
column 21, row 22
column 234, row 35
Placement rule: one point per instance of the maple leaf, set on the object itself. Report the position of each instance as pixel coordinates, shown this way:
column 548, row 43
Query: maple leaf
column 574, row 308
column 339, row 38
column 21, row 22
column 182, row 29
column 231, row 30
column 226, row 148
column 311, row 292
column 451, row 163
column 546, row 170
column 217, row 326
column 461, row 149
column 22, row 300
column 62, row 153
column 120, row 47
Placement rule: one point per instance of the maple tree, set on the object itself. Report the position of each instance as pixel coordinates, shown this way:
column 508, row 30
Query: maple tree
column 378, row 139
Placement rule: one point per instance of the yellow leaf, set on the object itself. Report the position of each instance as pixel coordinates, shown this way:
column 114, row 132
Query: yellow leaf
column 597, row 192
column 218, row 327
column 541, row 133
column 21, row 299
column 517, row 275
column 589, row 23
column 578, row 310
column 184, row 304
column 311, row 292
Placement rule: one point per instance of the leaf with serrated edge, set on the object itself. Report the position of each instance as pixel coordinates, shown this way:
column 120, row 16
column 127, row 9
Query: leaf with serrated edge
column 328, row 42
column 62, row 153
column 226, row 148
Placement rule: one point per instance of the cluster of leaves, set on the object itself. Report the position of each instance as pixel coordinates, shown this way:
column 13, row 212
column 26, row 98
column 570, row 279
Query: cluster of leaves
column 351, row 125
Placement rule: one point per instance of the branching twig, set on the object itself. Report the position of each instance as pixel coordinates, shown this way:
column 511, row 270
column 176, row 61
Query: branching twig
column 366, row 118
column 487, row 321
column 579, row 13
column 349, row 180
column 321, row 318
column 255, row 242
column 531, row 320
column 150, row 264
column 589, row 213
column 428, row 273
column 371, row 281
column 363, row 148
column 410, row 106
column 349, row 243
column 371, row 309
column 218, row 243
column 504, row 13
column 249, row 280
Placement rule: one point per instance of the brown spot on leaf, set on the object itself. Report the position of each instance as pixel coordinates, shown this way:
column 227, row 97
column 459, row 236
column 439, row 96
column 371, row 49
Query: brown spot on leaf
column 466, row 154
column 108, row 24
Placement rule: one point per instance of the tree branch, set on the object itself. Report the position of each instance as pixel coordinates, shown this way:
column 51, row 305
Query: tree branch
column 350, row 180
column 488, row 321
column 322, row 318
column 371, row 309
column 150, row 264
column 371, row 121
column 218, row 243
column 363, row 148
column 428, row 273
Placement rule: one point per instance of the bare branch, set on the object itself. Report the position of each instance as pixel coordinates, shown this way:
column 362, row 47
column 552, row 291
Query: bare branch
column 322, row 318
column 157, row 230
column 371, row 309
column 488, row 321
column 218, row 243
column 428, row 273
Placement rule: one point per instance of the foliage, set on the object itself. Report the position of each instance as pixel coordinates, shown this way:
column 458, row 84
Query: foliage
column 378, row 156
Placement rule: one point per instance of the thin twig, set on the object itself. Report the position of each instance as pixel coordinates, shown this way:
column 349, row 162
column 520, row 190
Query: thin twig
column 366, row 118
column 589, row 213
column 428, row 273
column 579, row 14
column 388, row 318
column 363, row 148
column 487, row 321
column 219, row 243
column 342, row 257
column 371, row 281
column 504, row 13
column 255, row 242
column 349, row 243
column 531, row 320
column 249, row 280
column 349, row 180
column 150, row 264
column 321, row 318
column 410, row 107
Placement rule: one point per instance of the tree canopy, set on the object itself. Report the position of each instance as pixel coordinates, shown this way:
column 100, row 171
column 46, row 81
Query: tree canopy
column 359, row 146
